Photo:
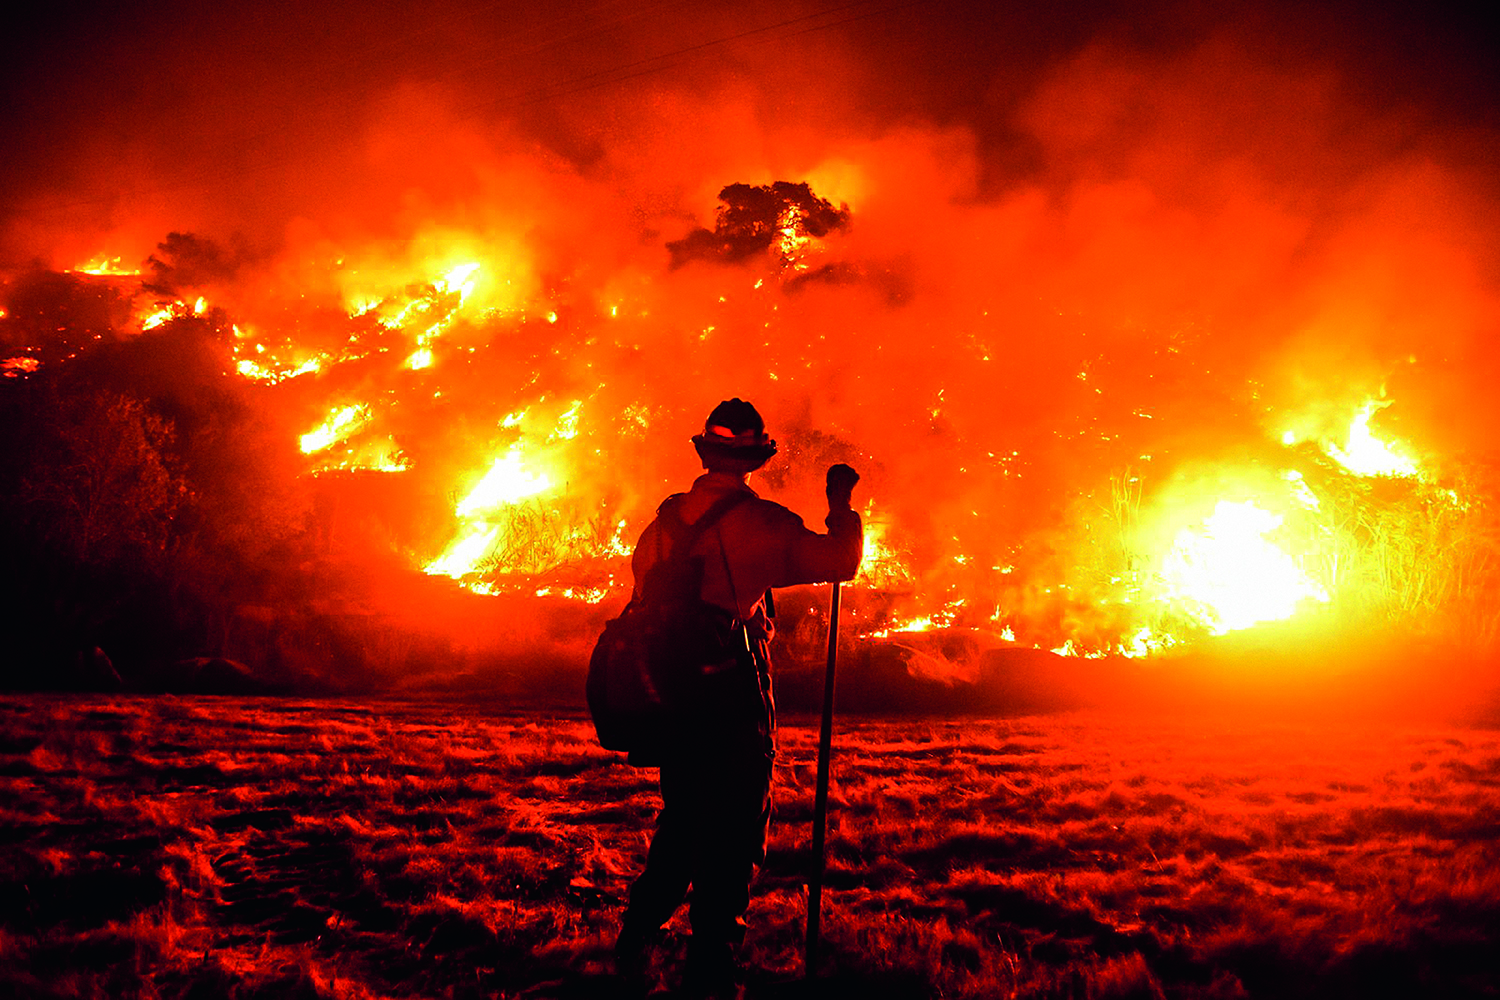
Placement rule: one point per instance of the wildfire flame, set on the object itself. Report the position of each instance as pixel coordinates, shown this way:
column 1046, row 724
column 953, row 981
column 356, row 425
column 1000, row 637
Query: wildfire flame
column 1261, row 544
column 340, row 425
column 1231, row 575
column 1222, row 568
column 1365, row 454
column 508, row 481
column 106, row 266
column 485, row 511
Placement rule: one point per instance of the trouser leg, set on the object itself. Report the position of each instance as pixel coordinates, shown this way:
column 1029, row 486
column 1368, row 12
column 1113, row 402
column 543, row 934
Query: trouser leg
column 661, row 887
column 733, row 820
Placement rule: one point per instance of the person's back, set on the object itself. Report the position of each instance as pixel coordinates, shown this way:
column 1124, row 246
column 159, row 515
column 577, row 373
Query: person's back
column 716, row 801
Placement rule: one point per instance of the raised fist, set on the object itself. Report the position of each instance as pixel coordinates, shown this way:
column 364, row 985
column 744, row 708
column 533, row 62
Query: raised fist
column 841, row 480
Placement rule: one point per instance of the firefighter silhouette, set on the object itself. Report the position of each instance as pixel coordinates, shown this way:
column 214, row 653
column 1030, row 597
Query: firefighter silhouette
column 716, row 773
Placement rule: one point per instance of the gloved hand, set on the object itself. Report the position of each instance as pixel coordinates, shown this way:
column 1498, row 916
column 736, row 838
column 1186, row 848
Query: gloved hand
column 841, row 480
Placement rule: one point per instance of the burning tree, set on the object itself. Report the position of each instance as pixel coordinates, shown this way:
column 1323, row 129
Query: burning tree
column 753, row 219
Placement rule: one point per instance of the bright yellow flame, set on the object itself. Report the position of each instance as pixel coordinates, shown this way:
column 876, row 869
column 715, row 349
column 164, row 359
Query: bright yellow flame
column 341, row 424
column 881, row 567
column 465, row 551
column 160, row 316
column 370, row 456
column 1229, row 576
column 791, row 237
column 567, row 424
column 459, row 279
column 419, row 359
column 173, row 310
column 255, row 370
column 1364, row 454
column 942, row 618
column 1145, row 642
column 105, row 265
column 507, row 482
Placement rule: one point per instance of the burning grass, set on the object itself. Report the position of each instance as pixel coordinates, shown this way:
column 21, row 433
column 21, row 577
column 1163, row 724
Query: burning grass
column 174, row 847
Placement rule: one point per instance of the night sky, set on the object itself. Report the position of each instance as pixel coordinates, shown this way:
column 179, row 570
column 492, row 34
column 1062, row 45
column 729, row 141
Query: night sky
column 241, row 116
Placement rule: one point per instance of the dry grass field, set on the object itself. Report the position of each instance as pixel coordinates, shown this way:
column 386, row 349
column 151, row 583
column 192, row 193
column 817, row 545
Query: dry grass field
column 211, row 847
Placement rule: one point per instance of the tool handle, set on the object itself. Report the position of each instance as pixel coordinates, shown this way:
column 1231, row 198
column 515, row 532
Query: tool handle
column 820, row 803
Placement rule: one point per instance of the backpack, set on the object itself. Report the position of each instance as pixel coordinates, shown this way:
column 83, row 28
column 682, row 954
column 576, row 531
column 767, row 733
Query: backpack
column 648, row 665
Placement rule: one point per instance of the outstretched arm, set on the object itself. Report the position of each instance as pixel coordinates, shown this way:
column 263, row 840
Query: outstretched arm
column 816, row 558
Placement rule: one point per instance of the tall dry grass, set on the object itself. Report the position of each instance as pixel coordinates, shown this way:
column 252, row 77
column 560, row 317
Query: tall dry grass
column 221, row 847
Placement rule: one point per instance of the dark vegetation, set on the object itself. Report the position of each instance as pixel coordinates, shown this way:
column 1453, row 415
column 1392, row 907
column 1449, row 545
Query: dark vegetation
column 752, row 216
column 176, row 847
column 147, row 513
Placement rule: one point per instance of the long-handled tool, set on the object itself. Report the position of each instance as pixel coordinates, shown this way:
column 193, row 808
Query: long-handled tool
column 820, row 807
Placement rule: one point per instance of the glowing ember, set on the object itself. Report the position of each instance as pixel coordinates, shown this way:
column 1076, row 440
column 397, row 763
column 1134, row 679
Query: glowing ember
column 15, row 367
column 587, row 595
column 1229, row 576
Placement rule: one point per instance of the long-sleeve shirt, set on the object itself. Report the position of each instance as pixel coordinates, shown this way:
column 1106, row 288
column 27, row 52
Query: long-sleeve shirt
column 756, row 545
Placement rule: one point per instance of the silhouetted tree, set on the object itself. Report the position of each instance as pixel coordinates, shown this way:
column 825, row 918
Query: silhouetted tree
column 186, row 260
column 142, row 499
column 751, row 217
column 89, row 498
column 245, row 512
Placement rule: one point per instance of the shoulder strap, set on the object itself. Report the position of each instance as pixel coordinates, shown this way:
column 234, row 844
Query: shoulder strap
column 683, row 544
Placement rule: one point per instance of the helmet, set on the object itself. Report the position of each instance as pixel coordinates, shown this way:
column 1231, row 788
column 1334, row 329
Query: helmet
column 734, row 438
